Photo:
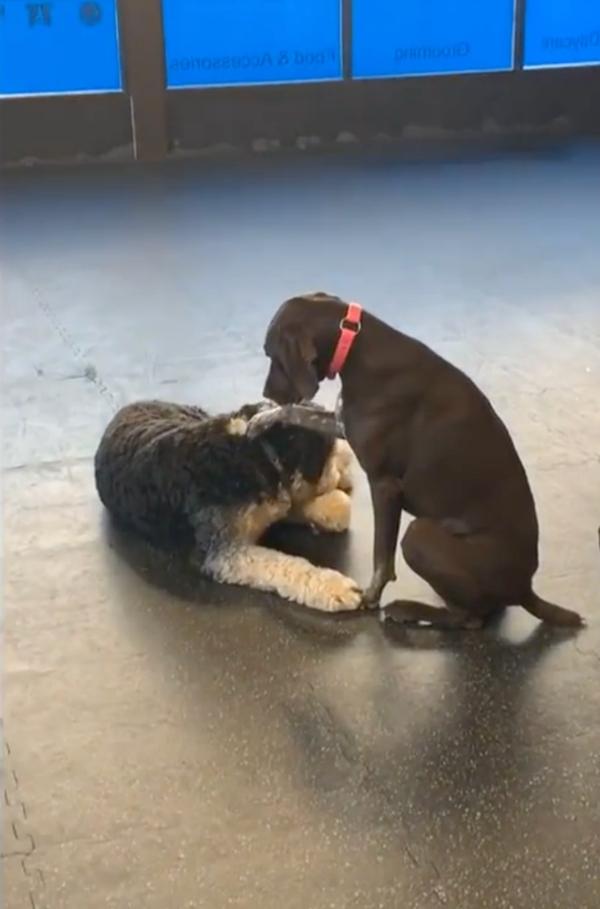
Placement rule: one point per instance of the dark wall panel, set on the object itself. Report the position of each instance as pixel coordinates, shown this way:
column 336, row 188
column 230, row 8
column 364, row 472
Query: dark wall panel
column 64, row 127
column 510, row 101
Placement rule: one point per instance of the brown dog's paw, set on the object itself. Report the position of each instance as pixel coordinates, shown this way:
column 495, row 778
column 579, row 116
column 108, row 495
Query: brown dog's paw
column 413, row 612
column 369, row 602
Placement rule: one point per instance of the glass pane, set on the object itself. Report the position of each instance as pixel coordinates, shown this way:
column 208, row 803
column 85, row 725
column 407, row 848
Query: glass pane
column 420, row 37
column 58, row 47
column 243, row 42
column 562, row 32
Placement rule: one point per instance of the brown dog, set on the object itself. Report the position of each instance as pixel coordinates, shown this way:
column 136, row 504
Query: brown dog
column 432, row 445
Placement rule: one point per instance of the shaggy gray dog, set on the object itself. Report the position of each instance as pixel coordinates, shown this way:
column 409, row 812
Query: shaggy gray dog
column 181, row 478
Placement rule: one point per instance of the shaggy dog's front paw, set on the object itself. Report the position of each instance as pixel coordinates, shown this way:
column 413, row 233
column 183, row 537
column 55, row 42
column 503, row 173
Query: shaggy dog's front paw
column 336, row 593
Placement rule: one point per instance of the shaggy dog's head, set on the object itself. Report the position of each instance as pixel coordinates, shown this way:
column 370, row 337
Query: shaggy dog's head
column 311, row 463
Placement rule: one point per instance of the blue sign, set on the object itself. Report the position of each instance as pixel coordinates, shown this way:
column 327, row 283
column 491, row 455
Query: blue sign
column 246, row 42
column 562, row 32
column 422, row 37
column 58, row 47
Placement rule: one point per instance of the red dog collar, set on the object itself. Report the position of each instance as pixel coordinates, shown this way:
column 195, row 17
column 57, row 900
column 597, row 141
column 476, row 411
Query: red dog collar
column 349, row 328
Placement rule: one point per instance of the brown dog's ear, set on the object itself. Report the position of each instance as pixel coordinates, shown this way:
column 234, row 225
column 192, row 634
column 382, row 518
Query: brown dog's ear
column 300, row 363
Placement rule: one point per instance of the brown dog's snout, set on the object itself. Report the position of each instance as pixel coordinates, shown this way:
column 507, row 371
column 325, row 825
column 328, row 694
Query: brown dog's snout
column 279, row 391
column 277, row 388
column 270, row 389
column 269, row 393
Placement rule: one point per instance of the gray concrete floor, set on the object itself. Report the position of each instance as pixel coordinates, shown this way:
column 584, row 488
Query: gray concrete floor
column 175, row 745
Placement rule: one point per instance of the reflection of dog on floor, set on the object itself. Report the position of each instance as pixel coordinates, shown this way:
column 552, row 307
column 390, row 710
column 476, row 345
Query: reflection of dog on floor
column 181, row 478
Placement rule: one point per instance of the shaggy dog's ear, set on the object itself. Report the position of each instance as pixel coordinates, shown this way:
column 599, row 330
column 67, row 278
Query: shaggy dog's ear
column 307, row 416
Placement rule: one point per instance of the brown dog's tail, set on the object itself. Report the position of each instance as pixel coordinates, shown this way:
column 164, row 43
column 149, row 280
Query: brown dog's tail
column 550, row 612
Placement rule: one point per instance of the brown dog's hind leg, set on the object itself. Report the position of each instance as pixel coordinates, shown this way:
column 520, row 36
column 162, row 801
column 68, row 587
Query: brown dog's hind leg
column 460, row 568
column 473, row 574
column 386, row 495
column 550, row 612
column 413, row 612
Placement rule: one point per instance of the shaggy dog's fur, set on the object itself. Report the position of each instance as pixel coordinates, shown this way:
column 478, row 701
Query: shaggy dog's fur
column 181, row 478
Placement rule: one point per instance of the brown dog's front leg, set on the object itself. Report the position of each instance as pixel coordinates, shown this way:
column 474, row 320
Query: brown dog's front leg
column 386, row 496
